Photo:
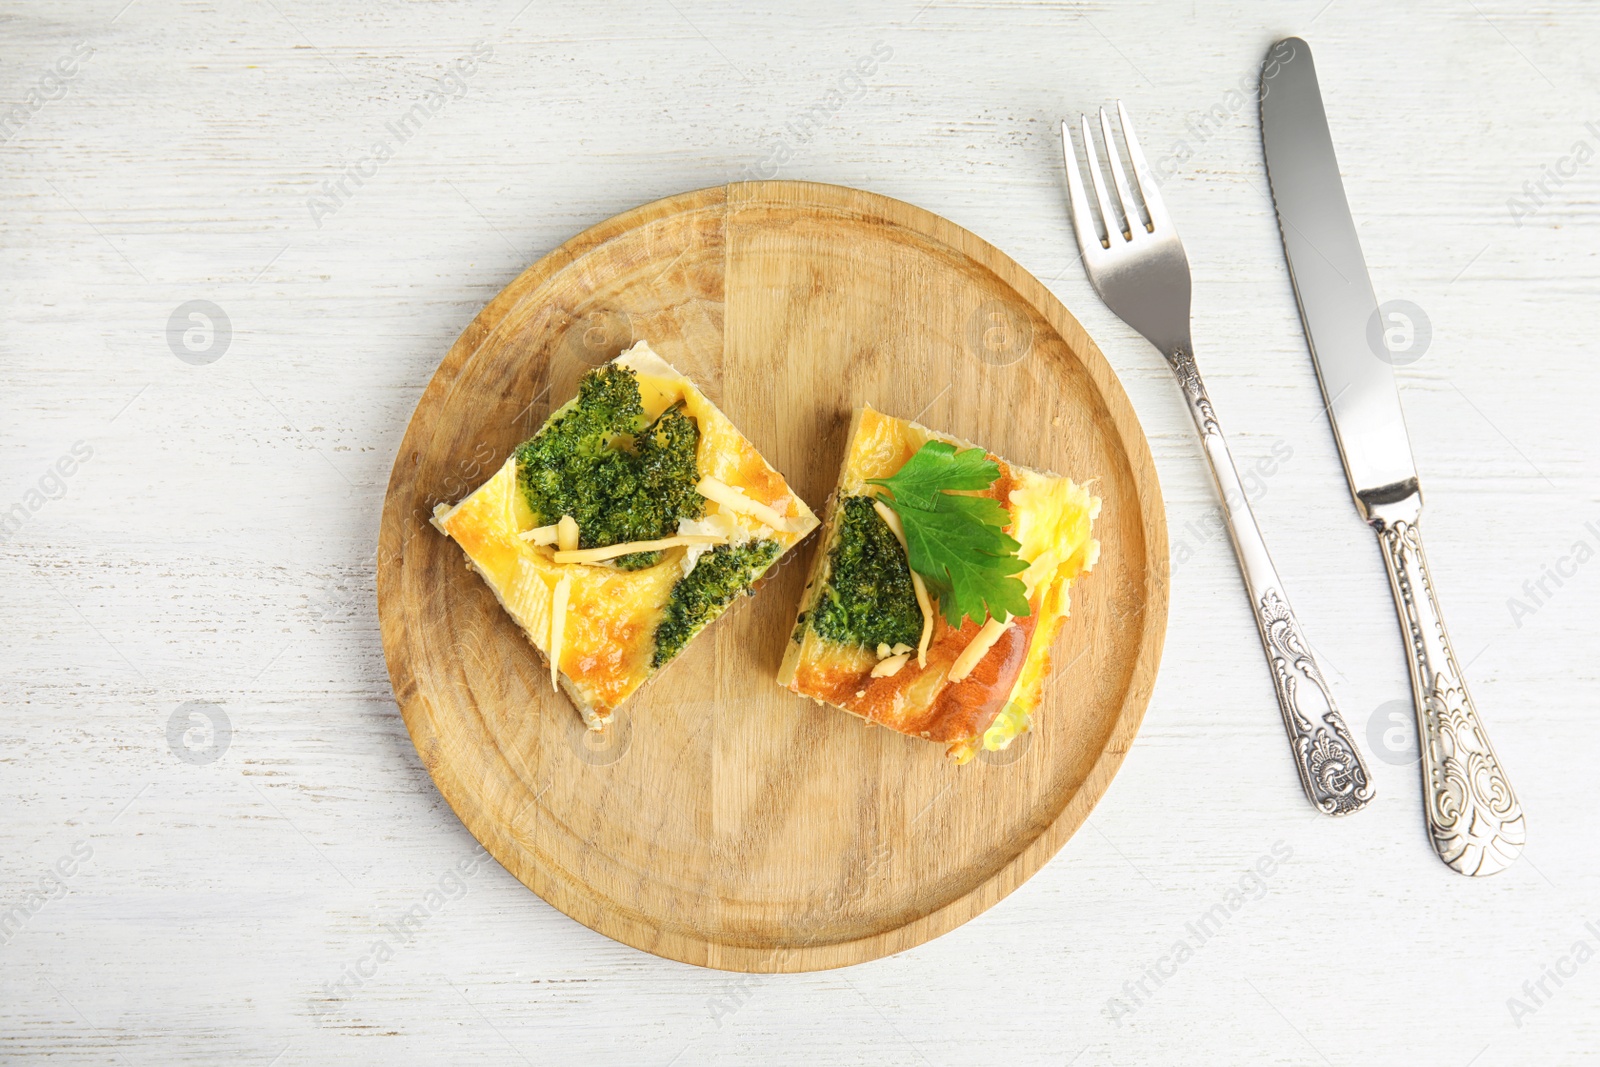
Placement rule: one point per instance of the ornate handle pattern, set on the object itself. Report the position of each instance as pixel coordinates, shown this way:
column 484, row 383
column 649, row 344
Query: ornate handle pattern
column 1332, row 771
column 1473, row 817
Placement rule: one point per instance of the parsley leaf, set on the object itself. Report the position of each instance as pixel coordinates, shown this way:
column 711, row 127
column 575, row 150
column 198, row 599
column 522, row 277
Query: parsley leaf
column 936, row 467
column 958, row 543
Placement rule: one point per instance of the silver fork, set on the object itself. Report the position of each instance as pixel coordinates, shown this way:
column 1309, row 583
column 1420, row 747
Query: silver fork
column 1139, row 268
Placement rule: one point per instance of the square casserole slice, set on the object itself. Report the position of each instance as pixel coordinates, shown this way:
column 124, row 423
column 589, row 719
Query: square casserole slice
column 614, row 622
column 859, row 613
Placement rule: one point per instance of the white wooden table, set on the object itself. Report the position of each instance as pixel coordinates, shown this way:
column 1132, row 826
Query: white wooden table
column 198, row 514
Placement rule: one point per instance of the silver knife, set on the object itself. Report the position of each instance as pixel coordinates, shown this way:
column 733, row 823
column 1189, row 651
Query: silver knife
column 1473, row 817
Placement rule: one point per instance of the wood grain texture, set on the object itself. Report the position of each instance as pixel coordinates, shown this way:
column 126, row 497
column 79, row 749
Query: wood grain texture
column 219, row 545
column 723, row 821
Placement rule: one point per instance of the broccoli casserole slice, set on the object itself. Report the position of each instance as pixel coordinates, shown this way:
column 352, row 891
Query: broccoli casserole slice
column 866, row 641
column 626, row 525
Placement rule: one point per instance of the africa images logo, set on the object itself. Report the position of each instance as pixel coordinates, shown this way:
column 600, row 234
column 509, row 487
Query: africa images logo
column 1538, row 591
column 50, row 86
column 335, row 193
column 849, row 85
column 1249, row 886
column 51, row 485
column 53, row 886
column 1537, row 992
column 400, row 932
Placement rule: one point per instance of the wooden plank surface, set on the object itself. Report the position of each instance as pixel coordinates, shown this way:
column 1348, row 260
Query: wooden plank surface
column 217, row 543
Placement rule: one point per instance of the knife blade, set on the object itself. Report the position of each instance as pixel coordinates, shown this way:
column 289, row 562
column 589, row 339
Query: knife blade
column 1474, row 820
column 1337, row 304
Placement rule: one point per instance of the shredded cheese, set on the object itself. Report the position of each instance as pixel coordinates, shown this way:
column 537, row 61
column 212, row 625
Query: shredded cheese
column 735, row 500
column 558, row 624
column 542, row 535
column 567, row 533
column 718, row 524
column 607, row 552
column 886, row 513
column 889, row 667
column 978, row 647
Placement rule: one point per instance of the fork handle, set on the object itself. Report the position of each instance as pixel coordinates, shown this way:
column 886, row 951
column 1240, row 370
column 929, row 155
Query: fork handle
column 1474, row 819
column 1332, row 771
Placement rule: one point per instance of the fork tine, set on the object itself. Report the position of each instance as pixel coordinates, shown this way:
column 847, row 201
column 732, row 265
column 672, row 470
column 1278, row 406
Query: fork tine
column 1153, row 205
column 1113, row 223
column 1082, row 217
column 1130, row 209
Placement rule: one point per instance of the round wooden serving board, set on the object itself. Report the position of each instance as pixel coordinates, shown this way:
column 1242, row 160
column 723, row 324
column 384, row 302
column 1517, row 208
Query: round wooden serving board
column 723, row 821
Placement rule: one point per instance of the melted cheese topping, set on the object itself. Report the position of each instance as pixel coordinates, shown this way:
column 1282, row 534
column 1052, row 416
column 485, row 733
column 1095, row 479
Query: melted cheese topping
column 978, row 647
column 544, row 535
column 567, row 534
column 1052, row 518
column 736, row 502
column 890, row 666
column 607, row 639
column 628, row 548
column 919, row 585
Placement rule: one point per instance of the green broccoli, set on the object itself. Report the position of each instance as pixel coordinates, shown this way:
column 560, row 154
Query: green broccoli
column 620, row 480
column 720, row 575
column 868, row 599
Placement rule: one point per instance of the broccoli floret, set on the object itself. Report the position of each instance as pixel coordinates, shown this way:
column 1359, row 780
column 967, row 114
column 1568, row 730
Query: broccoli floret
column 618, row 479
column 718, row 577
column 668, row 472
column 868, row 598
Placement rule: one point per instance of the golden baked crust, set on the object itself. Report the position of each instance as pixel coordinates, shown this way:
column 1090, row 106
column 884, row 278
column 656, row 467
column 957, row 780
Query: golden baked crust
column 1051, row 517
column 608, row 638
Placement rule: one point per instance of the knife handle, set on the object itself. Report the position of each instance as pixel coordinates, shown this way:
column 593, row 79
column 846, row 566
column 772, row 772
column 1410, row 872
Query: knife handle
column 1332, row 771
column 1473, row 817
